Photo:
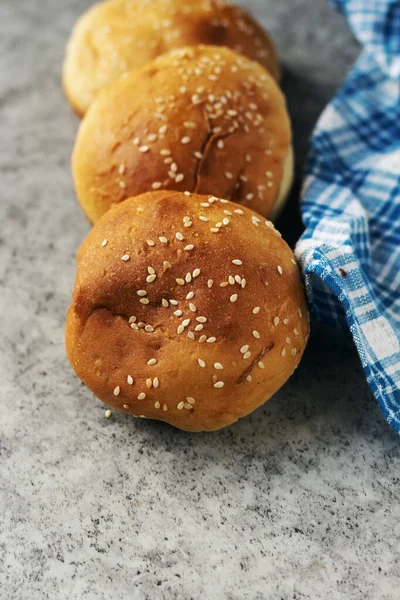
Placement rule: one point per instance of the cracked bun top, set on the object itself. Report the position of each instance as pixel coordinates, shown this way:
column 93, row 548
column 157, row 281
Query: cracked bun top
column 188, row 309
column 112, row 38
column 202, row 119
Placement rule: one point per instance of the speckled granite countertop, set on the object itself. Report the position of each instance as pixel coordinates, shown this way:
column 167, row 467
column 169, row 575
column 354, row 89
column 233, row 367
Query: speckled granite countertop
column 298, row 501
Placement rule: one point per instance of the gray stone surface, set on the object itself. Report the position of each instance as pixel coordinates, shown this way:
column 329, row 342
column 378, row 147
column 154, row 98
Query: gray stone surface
column 298, row 501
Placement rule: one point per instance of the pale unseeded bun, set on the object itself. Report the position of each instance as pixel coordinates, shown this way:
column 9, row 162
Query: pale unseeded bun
column 203, row 119
column 186, row 309
column 114, row 37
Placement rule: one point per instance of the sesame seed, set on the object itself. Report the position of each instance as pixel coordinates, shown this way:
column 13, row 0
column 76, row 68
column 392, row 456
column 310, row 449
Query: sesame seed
column 292, row 260
column 173, row 302
column 134, row 326
column 188, row 406
column 163, row 240
column 196, row 272
column 165, row 303
column 141, row 396
column 157, row 404
column 151, row 278
column 236, row 261
column 132, row 320
column 204, row 219
column 141, row 293
column 167, row 264
column 205, row 204
column 180, row 281
column 187, row 193
column 152, row 137
column 163, row 129
column 107, row 413
column 238, row 211
column 122, row 184
column 283, row 352
column 156, row 185
column 218, row 366
column 220, row 144
column 199, row 327
column 152, row 361
column 104, row 243
column 150, row 243
column 238, row 279
column 180, row 405
column 246, row 355
column 276, row 321
column 211, row 340
column 180, row 329
column 261, row 365
column 214, row 229
column 243, row 284
column 156, row 382
column 149, row 383
column 125, row 257
column 201, row 363
column 219, row 384
column 143, row 149
column 117, row 390
column 165, row 152
column 280, row 270
column 223, row 284
column 231, row 280
column 202, row 339
column 225, row 221
column 300, row 313
column 256, row 334
column 179, row 236
column 201, row 319
column 198, row 155
column 190, row 296
column 192, row 307
column 288, row 340
column 190, row 400
column 233, row 298
column 165, row 407
column 295, row 331
column 188, row 277
column 149, row 328
column 179, row 178
column 294, row 351
column 228, row 175
column 256, row 310
column 185, row 140
column 144, row 300
column 285, row 321
column 189, row 247
column 129, row 380
column 185, row 322
column 244, row 349
column 178, row 313
column 210, row 283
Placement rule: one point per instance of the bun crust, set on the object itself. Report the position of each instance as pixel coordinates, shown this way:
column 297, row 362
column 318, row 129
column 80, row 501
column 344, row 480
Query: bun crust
column 202, row 119
column 157, row 261
column 114, row 37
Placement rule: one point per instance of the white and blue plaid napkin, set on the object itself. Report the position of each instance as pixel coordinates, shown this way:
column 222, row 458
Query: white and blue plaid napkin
column 350, row 251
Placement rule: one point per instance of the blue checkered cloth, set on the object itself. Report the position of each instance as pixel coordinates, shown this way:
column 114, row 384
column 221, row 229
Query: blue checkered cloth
column 350, row 251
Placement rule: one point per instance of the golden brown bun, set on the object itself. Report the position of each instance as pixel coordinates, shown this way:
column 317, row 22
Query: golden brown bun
column 146, row 132
column 112, row 38
column 244, row 338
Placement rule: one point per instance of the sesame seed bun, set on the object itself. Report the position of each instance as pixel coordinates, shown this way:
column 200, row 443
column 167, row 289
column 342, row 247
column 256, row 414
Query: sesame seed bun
column 186, row 309
column 203, row 119
column 112, row 38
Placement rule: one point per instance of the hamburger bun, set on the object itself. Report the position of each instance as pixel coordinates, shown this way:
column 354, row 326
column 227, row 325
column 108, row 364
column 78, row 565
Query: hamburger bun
column 203, row 119
column 114, row 37
column 188, row 309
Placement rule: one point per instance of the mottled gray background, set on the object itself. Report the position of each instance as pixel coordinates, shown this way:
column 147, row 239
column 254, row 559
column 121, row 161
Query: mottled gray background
column 298, row 501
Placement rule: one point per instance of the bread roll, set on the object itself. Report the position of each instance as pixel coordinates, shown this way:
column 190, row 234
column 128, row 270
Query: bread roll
column 187, row 309
column 202, row 119
column 114, row 37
